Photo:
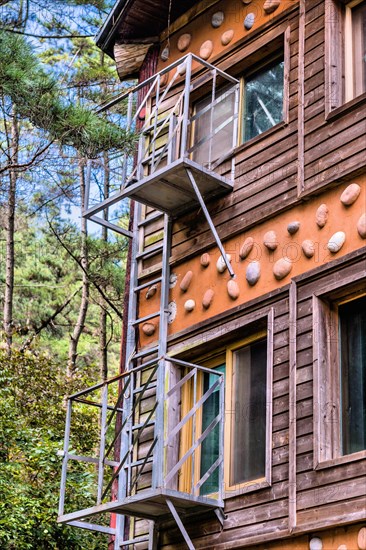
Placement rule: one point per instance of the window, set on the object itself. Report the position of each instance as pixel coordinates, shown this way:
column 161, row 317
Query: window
column 263, row 99
column 355, row 49
column 339, row 377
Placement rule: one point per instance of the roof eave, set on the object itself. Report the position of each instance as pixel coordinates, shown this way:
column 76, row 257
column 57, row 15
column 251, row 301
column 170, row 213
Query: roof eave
column 104, row 38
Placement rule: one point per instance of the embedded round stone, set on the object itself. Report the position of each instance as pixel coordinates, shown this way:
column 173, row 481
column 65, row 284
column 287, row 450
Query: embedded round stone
column 184, row 41
column 164, row 79
column 165, row 54
column 361, row 539
column 270, row 6
column 246, row 247
column 361, row 226
column 182, row 69
column 321, row 216
column 148, row 329
column 189, row 305
column 253, row 272
column 233, row 289
column 151, row 291
column 342, row 547
column 350, row 194
column 246, row 1
column 293, row 227
column 336, row 241
column 206, row 49
column 316, row 544
column 270, row 240
column 227, row 37
column 205, row 259
column 208, row 298
column 217, row 19
column 249, row 21
column 186, row 281
column 308, row 248
column 282, row 268
column 221, row 265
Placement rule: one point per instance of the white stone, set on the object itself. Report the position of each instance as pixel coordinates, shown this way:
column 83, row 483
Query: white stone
column 151, row 291
column 316, row 544
column 253, row 272
column 361, row 226
column 336, row 241
column 249, row 21
column 221, row 265
column 350, row 194
column 165, row 54
column 227, row 37
column 361, row 539
column 189, row 305
column 173, row 280
column 206, row 49
column 282, row 268
column 342, row 547
column 172, row 312
column 233, row 289
column 217, row 19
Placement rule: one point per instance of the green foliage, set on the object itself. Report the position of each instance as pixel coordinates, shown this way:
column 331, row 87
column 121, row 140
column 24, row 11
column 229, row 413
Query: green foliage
column 31, row 432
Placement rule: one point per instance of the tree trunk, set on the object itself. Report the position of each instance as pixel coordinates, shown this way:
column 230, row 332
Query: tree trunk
column 83, row 309
column 10, row 231
column 103, row 343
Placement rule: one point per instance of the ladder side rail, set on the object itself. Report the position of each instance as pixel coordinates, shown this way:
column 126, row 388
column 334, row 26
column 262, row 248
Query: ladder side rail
column 61, row 508
column 186, row 106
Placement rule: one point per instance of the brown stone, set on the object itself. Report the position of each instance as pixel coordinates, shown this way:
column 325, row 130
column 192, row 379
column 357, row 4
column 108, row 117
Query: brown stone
column 148, row 329
column 184, row 41
column 308, row 248
column 227, row 37
column 233, row 289
column 208, row 298
column 282, row 268
column 361, row 539
column 151, row 291
column 205, row 259
column 246, row 247
column 350, row 194
column 270, row 6
column 206, row 49
column 270, row 240
column 361, row 226
column 321, row 216
column 186, row 281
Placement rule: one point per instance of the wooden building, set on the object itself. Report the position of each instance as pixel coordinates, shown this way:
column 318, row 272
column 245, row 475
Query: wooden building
column 246, row 336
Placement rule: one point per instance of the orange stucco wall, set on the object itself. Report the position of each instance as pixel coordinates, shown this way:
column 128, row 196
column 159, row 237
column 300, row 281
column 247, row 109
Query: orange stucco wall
column 341, row 218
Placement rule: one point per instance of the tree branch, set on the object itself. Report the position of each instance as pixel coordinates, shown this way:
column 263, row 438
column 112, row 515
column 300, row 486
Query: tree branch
column 69, row 36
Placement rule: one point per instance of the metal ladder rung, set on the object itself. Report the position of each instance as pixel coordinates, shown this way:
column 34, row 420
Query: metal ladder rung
column 146, row 285
column 151, row 252
column 151, row 218
column 146, row 318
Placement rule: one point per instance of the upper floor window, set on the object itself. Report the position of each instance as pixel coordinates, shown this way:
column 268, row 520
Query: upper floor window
column 355, row 49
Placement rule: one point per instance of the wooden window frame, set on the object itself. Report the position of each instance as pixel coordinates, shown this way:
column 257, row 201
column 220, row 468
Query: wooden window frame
column 220, row 356
column 326, row 376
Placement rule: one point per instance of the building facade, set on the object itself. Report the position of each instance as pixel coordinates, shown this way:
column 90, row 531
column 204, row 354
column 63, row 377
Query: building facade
column 249, row 292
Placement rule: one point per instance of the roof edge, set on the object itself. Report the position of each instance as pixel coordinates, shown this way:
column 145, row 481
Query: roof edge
column 105, row 35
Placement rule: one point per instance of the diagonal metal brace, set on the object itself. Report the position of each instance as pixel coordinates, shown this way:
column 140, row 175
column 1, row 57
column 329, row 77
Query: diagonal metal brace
column 180, row 524
column 210, row 222
column 221, row 516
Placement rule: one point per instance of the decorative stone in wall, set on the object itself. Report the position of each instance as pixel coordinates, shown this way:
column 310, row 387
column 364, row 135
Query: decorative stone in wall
column 205, row 259
column 151, row 291
column 227, row 37
column 164, row 79
column 321, row 216
column 189, row 305
column 233, row 289
column 342, row 547
column 316, row 544
column 361, row 539
column 336, row 241
column 282, row 268
column 246, row 1
column 208, row 298
column 184, row 41
column 173, row 280
column 308, row 248
column 270, row 240
column 249, row 21
column 148, row 328
column 270, row 6
column 217, row 19
column 293, row 227
column 165, row 54
column 246, row 247
column 361, row 226
column 221, row 265
column 172, row 312
column 206, row 49
column 186, row 281
column 253, row 272
column 350, row 194
column 182, row 69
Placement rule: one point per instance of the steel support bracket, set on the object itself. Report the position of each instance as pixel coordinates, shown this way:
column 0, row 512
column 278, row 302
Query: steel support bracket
column 221, row 516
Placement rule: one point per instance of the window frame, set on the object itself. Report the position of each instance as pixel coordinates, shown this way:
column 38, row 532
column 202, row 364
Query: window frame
column 326, row 376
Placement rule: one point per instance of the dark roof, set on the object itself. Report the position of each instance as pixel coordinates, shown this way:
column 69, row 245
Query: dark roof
column 132, row 20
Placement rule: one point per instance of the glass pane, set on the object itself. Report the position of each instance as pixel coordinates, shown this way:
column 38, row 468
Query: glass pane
column 359, row 48
column 263, row 100
column 212, row 148
column 353, row 375
column 211, row 444
column 248, row 413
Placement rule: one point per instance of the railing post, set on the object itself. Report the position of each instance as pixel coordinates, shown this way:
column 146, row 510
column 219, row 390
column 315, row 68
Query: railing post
column 221, row 437
column 186, row 107
column 65, row 459
column 103, row 422
column 125, row 155
column 235, row 127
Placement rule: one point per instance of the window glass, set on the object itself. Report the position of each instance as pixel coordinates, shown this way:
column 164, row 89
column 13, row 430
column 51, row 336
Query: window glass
column 263, row 100
column 248, row 413
column 352, row 326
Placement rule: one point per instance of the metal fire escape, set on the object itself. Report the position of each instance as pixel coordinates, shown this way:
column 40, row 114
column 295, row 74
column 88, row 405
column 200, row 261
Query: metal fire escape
column 142, row 467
